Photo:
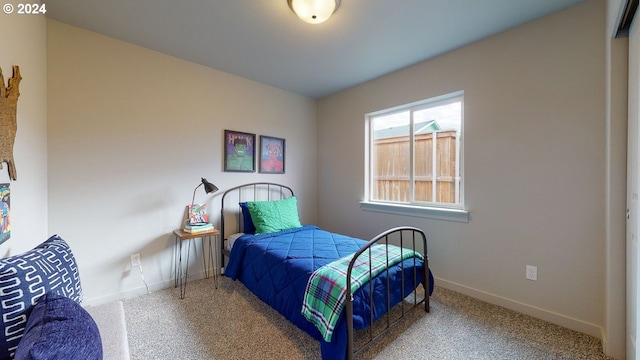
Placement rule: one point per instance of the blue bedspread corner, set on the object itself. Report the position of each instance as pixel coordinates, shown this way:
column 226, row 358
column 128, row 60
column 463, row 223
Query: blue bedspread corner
column 232, row 268
column 337, row 348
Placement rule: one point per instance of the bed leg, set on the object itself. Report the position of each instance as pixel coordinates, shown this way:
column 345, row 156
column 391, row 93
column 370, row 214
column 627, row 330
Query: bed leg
column 427, row 286
column 349, row 319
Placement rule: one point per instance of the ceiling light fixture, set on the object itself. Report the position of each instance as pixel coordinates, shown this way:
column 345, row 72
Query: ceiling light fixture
column 314, row 11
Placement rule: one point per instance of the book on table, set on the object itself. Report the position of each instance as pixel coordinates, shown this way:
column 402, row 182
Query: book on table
column 198, row 228
column 197, row 214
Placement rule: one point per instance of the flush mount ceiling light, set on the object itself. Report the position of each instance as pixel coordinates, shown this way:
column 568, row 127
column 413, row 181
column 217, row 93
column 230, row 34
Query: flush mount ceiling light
column 314, row 11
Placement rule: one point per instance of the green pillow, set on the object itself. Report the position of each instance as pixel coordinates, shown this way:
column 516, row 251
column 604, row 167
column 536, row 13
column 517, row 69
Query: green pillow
column 272, row 216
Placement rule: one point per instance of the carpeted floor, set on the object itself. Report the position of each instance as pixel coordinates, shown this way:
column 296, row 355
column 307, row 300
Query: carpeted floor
column 231, row 323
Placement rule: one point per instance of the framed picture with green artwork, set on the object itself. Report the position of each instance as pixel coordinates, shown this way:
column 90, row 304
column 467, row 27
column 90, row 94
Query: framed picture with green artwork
column 239, row 151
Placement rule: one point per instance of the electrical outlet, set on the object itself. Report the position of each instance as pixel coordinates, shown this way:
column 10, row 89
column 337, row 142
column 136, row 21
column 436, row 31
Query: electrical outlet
column 135, row 260
column 532, row 273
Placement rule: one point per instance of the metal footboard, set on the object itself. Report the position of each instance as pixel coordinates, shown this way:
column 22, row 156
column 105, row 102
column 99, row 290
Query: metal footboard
column 406, row 237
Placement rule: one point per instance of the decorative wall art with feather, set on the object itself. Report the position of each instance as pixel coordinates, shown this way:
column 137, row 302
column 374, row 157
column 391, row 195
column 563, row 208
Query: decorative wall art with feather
column 8, row 119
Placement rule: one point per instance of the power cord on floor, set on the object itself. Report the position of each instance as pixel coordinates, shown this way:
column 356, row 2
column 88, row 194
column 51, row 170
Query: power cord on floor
column 142, row 276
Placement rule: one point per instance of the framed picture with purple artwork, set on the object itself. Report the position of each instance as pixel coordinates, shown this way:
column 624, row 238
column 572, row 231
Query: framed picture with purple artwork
column 271, row 155
column 239, row 151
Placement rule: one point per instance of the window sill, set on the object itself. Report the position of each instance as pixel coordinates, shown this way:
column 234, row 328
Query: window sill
column 456, row 215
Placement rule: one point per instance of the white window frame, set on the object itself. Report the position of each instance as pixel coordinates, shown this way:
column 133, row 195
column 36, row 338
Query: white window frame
column 434, row 210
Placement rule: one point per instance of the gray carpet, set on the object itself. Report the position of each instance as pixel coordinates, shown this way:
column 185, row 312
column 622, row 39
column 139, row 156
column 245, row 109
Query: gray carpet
column 231, row 323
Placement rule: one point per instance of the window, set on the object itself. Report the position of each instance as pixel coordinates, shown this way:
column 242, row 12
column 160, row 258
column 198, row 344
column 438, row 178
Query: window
column 415, row 154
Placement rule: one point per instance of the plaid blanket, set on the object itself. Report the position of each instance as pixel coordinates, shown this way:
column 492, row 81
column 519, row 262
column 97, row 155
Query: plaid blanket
column 325, row 294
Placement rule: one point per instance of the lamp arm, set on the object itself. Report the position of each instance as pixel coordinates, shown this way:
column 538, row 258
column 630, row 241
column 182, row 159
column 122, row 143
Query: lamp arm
column 194, row 193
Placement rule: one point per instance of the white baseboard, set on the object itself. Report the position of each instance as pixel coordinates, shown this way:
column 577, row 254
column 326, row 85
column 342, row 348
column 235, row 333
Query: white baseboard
column 539, row 313
column 142, row 290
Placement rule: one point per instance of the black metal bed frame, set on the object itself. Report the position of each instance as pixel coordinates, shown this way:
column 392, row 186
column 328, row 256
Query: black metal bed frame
column 407, row 237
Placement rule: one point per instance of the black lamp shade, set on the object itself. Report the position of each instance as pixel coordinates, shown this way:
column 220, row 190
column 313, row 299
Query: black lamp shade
column 209, row 187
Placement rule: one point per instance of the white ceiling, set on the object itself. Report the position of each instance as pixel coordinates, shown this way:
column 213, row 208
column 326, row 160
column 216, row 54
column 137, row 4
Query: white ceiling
column 264, row 41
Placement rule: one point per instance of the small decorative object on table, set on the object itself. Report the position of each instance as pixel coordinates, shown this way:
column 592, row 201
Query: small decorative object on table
column 197, row 214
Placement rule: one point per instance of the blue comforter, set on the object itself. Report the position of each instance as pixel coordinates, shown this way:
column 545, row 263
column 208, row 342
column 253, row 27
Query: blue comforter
column 277, row 266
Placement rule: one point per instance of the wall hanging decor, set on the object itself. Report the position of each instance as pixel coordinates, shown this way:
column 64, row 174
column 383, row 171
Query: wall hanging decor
column 8, row 119
column 271, row 155
column 239, row 151
column 5, row 213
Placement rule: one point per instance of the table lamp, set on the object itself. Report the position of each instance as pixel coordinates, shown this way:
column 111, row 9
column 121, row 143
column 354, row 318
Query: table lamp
column 209, row 188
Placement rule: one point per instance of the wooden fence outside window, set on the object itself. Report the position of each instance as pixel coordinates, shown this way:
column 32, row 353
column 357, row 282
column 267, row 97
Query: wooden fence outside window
column 392, row 171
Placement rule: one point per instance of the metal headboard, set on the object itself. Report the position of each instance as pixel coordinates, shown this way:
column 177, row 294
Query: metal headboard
column 230, row 213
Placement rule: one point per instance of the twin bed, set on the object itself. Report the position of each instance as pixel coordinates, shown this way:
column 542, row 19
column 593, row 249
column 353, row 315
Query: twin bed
column 327, row 284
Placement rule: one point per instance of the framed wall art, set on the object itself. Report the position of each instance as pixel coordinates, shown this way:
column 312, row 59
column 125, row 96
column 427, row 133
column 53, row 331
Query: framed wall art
column 271, row 155
column 5, row 211
column 239, row 151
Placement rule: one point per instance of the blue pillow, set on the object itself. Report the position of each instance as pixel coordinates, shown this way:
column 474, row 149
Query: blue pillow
column 247, row 222
column 59, row 328
column 25, row 278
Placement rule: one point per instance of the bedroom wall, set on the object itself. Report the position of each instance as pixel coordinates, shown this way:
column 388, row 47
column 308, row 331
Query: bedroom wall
column 615, row 314
column 23, row 43
column 131, row 131
column 534, row 165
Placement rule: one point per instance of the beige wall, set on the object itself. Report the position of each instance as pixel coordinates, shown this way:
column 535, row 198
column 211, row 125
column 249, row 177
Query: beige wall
column 131, row 131
column 534, row 165
column 23, row 43
column 124, row 123
column 616, row 184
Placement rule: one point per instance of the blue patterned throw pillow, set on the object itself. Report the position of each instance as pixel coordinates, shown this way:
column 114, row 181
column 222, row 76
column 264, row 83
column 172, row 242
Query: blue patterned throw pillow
column 25, row 278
